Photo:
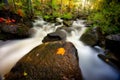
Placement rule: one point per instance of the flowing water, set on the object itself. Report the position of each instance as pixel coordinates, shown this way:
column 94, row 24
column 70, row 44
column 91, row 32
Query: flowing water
column 92, row 67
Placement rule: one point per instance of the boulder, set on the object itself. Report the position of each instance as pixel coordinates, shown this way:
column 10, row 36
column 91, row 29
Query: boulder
column 13, row 26
column 89, row 39
column 48, row 61
column 13, row 31
column 112, row 43
column 93, row 37
column 58, row 35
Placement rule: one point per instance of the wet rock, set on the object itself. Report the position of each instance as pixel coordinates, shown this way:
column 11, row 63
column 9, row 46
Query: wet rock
column 82, row 16
column 112, row 43
column 59, row 20
column 49, row 61
column 58, row 35
column 17, row 27
column 28, row 23
column 93, row 37
column 89, row 39
column 114, row 63
column 67, row 23
column 66, row 29
column 11, row 31
column 89, row 23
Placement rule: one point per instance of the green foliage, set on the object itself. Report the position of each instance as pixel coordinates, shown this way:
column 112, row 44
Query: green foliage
column 46, row 8
column 67, row 16
column 54, row 5
column 46, row 17
column 49, row 17
column 107, row 17
column 1, row 5
column 56, row 14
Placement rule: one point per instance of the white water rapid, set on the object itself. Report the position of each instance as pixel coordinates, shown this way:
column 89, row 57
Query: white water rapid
column 92, row 67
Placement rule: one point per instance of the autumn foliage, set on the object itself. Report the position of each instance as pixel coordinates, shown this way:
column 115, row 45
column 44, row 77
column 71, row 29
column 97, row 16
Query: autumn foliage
column 60, row 51
column 7, row 21
column 20, row 12
column 1, row 19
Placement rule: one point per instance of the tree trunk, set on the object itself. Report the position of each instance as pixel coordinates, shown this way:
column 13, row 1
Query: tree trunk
column 6, row 7
column 6, row 2
column 14, row 6
column 61, row 6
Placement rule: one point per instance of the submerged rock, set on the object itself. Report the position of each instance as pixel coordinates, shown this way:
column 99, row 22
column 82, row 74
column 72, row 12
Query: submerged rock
column 49, row 61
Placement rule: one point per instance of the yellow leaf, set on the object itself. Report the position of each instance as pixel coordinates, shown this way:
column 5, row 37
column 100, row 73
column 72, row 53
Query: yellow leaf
column 25, row 74
column 107, row 60
column 60, row 51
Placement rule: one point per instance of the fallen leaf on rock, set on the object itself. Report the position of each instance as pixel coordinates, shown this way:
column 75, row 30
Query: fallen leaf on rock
column 25, row 74
column 60, row 51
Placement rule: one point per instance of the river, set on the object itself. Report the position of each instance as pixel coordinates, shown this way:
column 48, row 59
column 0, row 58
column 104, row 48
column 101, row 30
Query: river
column 92, row 67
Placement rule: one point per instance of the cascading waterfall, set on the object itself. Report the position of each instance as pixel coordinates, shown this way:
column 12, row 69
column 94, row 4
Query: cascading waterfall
column 92, row 67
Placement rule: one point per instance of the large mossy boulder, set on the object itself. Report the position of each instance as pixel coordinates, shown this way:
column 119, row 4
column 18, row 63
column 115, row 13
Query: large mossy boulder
column 89, row 39
column 49, row 61
column 112, row 43
column 93, row 37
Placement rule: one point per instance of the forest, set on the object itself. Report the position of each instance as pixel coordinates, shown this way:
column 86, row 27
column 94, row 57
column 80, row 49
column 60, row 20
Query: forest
column 103, row 13
column 59, row 40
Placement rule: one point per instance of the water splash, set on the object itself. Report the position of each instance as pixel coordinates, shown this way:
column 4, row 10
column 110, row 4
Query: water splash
column 92, row 67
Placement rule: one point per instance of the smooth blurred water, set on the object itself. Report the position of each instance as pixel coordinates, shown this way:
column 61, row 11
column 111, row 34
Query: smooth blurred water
column 92, row 67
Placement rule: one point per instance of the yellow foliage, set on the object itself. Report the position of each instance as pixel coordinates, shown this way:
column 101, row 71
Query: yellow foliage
column 60, row 51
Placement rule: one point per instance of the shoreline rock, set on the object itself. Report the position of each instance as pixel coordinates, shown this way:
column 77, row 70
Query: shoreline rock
column 112, row 43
